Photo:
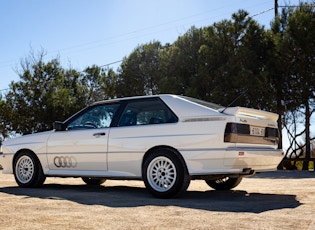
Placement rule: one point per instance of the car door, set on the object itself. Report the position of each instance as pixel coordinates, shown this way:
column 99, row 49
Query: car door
column 143, row 123
column 83, row 144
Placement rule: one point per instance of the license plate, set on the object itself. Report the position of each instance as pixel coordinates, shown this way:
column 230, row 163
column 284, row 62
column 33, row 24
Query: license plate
column 257, row 131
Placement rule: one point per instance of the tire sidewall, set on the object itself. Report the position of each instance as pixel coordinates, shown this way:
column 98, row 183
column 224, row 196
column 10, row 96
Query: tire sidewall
column 37, row 175
column 181, row 173
column 231, row 182
column 93, row 180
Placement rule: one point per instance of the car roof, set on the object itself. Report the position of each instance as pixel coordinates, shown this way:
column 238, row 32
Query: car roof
column 181, row 105
column 132, row 98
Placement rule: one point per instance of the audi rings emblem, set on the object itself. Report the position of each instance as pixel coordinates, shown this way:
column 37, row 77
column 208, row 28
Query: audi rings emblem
column 65, row 162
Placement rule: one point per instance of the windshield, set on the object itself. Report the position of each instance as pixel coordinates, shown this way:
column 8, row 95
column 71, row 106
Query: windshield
column 204, row 103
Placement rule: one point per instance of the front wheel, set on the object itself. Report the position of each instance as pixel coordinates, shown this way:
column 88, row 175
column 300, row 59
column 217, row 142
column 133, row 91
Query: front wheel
column 28, row 171
column 224, row 183
column 164, row 174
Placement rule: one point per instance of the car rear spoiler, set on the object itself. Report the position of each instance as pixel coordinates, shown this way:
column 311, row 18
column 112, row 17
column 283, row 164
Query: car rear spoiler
column 242, row 111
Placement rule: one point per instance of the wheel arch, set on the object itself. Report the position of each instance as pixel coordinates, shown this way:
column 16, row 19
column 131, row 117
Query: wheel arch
column 27, row 169
column 29, row 151
column 170, row 149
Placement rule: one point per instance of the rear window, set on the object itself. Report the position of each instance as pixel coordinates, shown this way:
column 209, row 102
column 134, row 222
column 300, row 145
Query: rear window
column 204, row 103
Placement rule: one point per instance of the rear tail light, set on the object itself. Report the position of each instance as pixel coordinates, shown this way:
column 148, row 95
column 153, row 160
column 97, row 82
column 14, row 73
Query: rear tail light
column 240, row 133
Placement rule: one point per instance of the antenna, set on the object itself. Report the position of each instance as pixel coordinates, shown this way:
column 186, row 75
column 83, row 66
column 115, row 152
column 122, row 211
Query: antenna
column 241, row 94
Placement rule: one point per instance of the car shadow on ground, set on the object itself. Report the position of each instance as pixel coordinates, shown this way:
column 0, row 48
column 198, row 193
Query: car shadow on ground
column 124, row 196
column 285, row 174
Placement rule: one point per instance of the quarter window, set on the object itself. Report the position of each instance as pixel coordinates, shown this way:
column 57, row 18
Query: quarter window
column 144, row 112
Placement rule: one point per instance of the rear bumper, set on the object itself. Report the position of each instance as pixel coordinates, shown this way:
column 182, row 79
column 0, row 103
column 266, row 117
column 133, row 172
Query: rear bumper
column 231, row 160
column 258, row 159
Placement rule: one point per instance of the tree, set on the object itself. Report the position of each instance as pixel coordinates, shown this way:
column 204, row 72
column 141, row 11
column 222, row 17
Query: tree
column 3, row 127
column 292, row 68
column 300, row 44
column 180, row 62
column 45, row 93
column 139, row 73
column 98, row 84
column 278, row 71
column 109, row 83
column 234, row 56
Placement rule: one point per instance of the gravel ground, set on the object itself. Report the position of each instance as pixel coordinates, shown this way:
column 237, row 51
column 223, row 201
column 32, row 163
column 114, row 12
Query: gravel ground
column 277, row 200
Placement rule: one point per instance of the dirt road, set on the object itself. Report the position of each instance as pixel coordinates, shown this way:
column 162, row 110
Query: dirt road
column 279, row 200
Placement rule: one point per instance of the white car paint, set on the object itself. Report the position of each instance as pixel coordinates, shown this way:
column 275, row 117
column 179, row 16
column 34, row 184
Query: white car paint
column 118, row 152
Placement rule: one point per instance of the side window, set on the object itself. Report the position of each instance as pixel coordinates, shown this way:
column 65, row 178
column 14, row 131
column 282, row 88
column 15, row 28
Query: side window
column 99, row 116
column 144, row 112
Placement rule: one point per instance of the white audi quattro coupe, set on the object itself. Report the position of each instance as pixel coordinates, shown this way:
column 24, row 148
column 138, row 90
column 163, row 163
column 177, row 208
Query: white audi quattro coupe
column 164, row 140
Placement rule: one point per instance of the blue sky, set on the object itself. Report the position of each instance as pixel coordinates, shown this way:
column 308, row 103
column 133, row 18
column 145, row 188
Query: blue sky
column 82, row 33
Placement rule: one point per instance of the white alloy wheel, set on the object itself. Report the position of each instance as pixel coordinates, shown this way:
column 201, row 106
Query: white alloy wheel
column 24, row 169
column 28, row 171
column 164, row 173
column 161, row 174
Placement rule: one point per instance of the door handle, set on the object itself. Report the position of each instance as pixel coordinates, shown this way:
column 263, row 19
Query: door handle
column 99, row 134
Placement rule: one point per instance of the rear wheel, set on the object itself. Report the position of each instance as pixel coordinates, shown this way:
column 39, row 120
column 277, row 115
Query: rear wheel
column 28, row 171
column 224, row 183
column 93, row 180
column 164, row 174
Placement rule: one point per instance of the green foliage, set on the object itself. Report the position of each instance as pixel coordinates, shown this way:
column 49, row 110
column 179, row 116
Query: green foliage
column 139, row 73
column 3, row 126
column 235, row 54
column 47, row 92
column 293, row 70
column 97, row 84
column 217, row 63
column 180, row 62
column 41, row 96
column 299, row 165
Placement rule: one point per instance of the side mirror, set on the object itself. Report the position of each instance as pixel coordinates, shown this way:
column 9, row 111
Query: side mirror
column 59, row 126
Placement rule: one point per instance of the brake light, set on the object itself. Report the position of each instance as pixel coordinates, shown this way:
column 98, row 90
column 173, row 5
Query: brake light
column 241, row 133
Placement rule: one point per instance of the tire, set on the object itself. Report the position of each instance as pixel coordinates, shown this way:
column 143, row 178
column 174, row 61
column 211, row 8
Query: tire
column 28, row 172
column 224, row 183
column 93, row 180
column 164, row 174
